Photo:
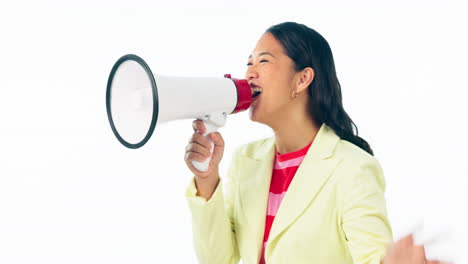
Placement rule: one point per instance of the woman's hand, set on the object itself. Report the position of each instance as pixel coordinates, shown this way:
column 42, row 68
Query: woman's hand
column 199, row 149
column 404, row 251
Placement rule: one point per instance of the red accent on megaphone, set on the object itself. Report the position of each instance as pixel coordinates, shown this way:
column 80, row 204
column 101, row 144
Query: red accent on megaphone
column 244, row 94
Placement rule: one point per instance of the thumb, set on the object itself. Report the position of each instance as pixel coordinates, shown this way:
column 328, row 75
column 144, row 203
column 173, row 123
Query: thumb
column 218, row 148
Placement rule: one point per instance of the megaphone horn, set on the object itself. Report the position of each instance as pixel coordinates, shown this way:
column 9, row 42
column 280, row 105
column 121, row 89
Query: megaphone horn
column 137, row 101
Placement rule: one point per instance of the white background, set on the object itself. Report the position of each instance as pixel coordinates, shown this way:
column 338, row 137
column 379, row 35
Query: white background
column 70, row 193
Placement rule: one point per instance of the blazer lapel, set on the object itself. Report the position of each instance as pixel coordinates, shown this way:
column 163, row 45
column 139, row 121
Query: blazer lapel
column 254, row 185
column 308, row 180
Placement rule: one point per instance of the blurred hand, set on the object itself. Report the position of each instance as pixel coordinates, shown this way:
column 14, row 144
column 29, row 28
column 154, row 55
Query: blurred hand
column 404, row 251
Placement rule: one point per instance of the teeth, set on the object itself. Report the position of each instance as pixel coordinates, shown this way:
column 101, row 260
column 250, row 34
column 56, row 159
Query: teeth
column 257, row 89
column 256, row 93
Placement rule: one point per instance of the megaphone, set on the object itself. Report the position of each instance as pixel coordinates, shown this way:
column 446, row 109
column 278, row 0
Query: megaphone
column 137, row 101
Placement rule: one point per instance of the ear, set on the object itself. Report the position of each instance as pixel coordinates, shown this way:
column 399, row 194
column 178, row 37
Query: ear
column 305, row 78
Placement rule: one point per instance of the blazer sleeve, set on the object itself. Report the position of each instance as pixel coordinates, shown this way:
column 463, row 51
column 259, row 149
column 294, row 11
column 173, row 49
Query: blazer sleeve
column 364, row 220
column 213, row 221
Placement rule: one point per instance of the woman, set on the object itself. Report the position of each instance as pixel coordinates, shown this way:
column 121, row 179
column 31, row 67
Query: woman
column 313, row 193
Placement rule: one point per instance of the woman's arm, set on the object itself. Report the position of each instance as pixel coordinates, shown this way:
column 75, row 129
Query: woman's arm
column 212, row 222
column 212, row 217
column 366, row 226
column 364, row 216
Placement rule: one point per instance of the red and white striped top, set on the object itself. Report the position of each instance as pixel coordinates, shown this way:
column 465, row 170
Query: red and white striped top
column 284, row 169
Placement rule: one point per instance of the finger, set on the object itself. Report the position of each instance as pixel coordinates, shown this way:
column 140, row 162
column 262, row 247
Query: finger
column 194, row 147
column 419, row 252
column 217, row 139
column 218, row 147
column 405, row 242
column 195, row 126
column 194, row 156
column 198, row 126
column 201, row 140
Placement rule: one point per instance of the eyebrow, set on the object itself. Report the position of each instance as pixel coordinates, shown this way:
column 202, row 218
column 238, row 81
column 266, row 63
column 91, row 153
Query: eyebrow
column 263, row 53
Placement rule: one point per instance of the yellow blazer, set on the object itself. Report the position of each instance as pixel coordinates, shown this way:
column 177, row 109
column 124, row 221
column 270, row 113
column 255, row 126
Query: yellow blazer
column 333, row 212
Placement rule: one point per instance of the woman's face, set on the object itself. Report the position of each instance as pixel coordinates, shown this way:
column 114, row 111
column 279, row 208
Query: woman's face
column 273, row 71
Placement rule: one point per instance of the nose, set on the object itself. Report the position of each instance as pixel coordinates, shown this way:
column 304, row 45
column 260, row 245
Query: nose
column 251, row 73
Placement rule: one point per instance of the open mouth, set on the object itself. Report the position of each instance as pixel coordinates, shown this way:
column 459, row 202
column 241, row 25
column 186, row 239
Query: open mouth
column 256, row 91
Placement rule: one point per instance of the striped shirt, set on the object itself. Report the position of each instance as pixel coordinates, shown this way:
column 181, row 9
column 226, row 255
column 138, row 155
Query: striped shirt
column 284, row 169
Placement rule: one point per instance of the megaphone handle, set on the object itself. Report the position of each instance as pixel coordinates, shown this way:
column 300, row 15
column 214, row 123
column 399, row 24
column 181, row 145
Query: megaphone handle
column 203, row 166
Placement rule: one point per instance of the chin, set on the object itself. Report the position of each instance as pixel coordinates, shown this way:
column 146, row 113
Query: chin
column 254, row 116
column 251, row 115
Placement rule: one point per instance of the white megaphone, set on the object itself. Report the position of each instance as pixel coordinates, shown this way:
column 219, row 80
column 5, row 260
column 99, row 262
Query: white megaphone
column 136, row 101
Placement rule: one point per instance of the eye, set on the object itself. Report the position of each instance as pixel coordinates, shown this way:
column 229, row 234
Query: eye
column 263, row 60
column 249, row 63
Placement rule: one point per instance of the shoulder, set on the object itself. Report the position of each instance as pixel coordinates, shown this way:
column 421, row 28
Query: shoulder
column 251, row 148
column 352, row 153
column 357, row 165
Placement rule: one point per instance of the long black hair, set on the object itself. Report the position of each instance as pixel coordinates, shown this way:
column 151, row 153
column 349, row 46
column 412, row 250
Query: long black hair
column 307, row 48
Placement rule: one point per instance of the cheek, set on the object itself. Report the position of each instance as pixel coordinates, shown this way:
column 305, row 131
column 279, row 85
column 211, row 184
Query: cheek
column 273, row 100
column 277, row 88
column 281, row 75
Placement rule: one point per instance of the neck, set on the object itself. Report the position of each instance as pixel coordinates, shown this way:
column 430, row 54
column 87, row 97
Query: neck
column 294, row 133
